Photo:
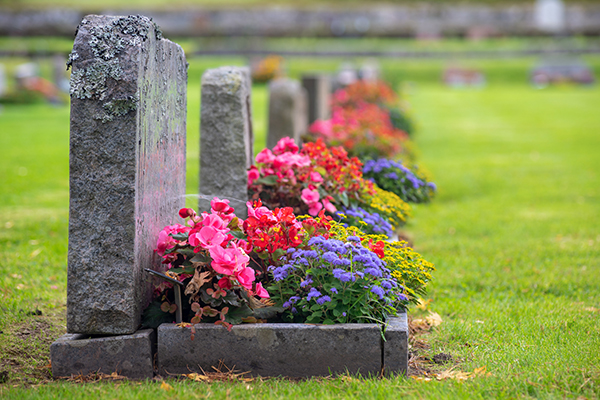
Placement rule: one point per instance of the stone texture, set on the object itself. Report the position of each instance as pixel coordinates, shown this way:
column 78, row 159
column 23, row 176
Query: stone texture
column 293, row 350
column 318, row 89
column 395, row 346
column 287, row 111
column 127, row 167
column 226, row 138
column 129, row 355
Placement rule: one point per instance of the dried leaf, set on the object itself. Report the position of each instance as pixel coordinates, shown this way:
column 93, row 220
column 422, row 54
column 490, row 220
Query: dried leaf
column 197, row 377
column 165, row 386
column 421, row 378
column 423, row 304
column 199, row 279
column 433, row 319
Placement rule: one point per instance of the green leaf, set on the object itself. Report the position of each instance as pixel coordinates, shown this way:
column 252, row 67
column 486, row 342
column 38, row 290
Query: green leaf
column 235, row 315
column 153, row 316
column 270, row 180
column 179, row 236
column 238, row 235
column 328, row 322
column 267, row 312
column 183, row 270
column 186, row 251
column 344, row 199
column 201, row 257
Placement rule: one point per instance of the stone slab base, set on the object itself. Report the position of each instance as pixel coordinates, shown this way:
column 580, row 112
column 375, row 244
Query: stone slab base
column 128, row 355
column 395, row 347
column 291, row 350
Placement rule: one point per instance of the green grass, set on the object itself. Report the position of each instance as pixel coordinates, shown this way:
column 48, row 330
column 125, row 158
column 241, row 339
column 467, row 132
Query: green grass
column 513, row 233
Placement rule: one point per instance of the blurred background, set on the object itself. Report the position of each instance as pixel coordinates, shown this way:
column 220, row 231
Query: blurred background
column 457, row 43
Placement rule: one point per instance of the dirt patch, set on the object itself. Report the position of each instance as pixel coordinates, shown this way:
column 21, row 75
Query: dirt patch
column 25, row 347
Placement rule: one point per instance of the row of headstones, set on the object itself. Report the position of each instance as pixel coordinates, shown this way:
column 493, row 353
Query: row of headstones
column 128, row 157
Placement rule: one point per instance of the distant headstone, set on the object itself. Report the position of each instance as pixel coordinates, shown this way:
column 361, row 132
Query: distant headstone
column 549, row 15
column 2, row 80
column 127, row 167
column 287, row 111
column 226, row 138
column 318, row 90
column 370, row 71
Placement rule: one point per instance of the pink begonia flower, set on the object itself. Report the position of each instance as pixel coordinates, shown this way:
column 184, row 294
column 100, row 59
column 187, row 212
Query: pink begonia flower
column 310, row 196
column 285, row 144
column 266, row 156
column 259, row 212
column 165, row 241
column 316, row 177
column 253, row 175
column 261, row 291
column 216, row 222
column 226, row 261
column 186, row 212
column 207, row 236
column 244, row 245
column 324, row 127
column 314, row 208
column 221, row 206
column 267, row 171
column 245, row 276
column 328, row 206
column 224, row 283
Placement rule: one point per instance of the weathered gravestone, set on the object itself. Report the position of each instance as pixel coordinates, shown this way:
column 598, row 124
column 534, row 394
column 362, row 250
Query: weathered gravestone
column 2, row 80
column 127, row 167
column 226, row 138
column 287, row 111
column 318, row 90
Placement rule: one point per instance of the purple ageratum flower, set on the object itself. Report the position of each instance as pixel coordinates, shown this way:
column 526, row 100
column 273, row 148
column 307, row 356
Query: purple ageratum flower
column 330, row 257
column 402, row 297
column 432, row 186
column 391, row 175
column 334, row 290
column 344, row 314
column 323, row 299
column 374, row 272
column 280, row 273
column 306, row 282
column 387, row 285
column 316, row 240
column 313, row 293
column 378, row 291
column 311, row 254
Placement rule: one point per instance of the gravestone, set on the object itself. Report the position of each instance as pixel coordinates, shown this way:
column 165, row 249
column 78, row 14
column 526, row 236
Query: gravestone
column 2, row 80
column 226, row 139
column 318, row 90
column 549, row 15
column 127, row 167
column 287, row 111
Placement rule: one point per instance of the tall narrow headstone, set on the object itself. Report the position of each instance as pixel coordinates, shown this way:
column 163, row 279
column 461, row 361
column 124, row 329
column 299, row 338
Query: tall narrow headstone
column 127, row 167
column 226, row 138
column 318, row 90
column 287, row 111
column 2, row 80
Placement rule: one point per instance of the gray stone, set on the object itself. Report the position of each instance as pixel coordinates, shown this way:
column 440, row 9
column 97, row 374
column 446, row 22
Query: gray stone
column 226, row 138
column 292, row 350
column 2, row 80
column 288, row 115
column 395, row 346
column 127, row 167
column 129, row 355
column 318, row 89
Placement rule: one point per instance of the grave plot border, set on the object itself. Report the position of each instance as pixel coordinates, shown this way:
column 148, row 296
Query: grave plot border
column 290, row 350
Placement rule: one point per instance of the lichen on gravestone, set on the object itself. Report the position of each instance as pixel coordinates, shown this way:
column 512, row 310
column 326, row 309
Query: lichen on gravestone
column 107, row 42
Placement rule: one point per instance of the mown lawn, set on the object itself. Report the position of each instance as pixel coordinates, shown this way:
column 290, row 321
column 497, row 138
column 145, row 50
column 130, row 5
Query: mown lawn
column 513, row 232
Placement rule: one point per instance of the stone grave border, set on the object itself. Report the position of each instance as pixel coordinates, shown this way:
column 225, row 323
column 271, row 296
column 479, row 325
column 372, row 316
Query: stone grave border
column 294, row 350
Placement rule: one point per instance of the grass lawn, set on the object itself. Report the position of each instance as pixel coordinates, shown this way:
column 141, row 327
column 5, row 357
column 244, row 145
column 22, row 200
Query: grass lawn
column 513, row 233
